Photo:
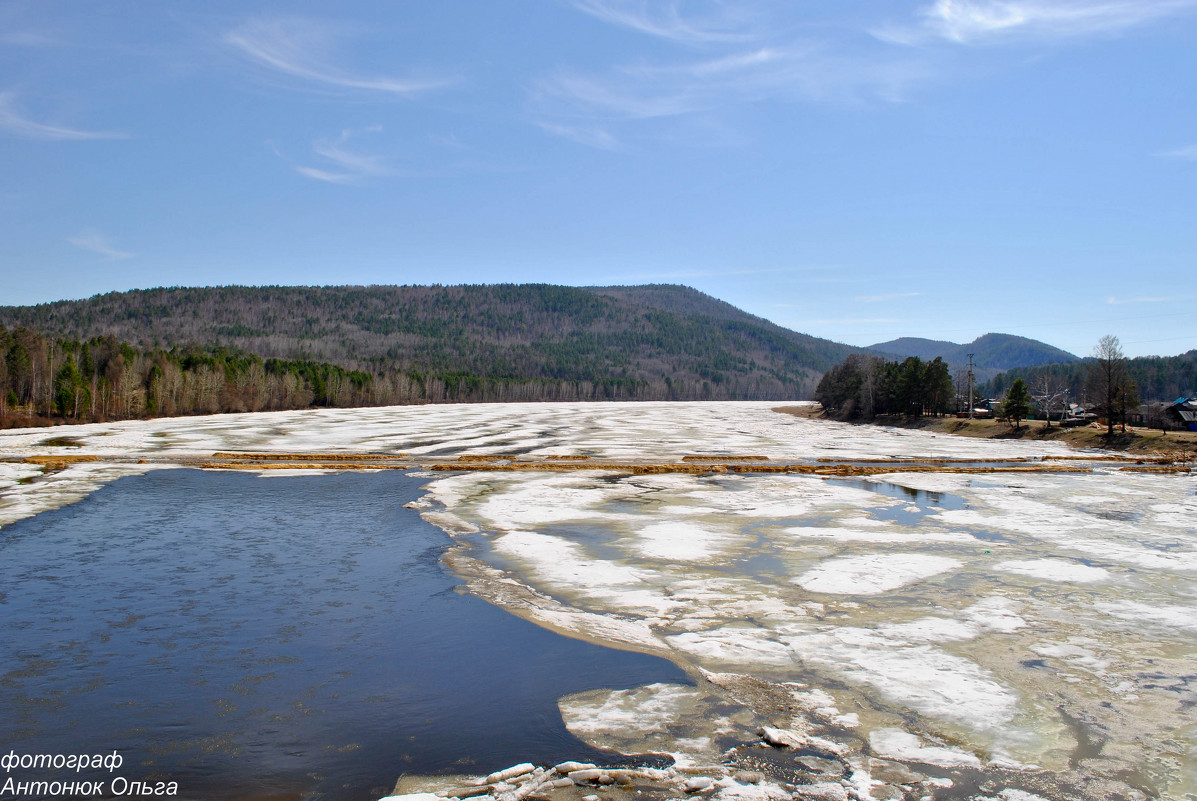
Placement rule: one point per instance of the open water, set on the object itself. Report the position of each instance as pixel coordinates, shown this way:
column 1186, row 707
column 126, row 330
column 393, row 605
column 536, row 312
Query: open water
column 274, row 637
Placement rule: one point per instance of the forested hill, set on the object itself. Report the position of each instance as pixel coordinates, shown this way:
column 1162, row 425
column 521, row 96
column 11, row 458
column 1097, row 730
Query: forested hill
column 664, row 341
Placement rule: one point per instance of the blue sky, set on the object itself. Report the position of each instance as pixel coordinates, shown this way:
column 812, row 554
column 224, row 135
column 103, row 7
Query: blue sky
column 858, row 170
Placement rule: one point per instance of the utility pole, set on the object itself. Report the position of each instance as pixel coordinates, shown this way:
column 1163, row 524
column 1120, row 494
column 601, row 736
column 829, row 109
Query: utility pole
column 970, row 386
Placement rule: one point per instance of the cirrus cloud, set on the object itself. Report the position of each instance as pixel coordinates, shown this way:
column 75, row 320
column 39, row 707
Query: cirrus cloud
column 17, row 124
column 992, row 21
column 306, row 49
column 718, row 22
column 93, row 241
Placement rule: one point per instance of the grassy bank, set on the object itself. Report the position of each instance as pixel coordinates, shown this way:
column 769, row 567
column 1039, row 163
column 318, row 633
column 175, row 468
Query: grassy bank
column 1135, row 440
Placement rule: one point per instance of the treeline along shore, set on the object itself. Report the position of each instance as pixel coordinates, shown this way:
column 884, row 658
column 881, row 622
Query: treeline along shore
column 865, row 386
column 46, row 380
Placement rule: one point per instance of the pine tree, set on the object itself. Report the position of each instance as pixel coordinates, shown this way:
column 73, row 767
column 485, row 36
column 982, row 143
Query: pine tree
column 1018, row 402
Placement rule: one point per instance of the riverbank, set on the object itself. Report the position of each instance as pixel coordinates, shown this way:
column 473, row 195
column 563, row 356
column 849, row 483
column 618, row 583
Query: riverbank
column 1135, row 440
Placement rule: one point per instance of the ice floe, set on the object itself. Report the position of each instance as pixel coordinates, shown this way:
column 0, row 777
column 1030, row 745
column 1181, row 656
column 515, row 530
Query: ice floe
column 899, row 744
column 850, row 532
column 1053, row 570
column 873, row 573
column 680, row 542
column 653, row 718
column 734, row 647
column 1177, row 618
column 904, row 663
column 563, row 565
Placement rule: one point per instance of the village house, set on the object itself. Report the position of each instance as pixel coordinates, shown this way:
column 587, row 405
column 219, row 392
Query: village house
column 1183, row 411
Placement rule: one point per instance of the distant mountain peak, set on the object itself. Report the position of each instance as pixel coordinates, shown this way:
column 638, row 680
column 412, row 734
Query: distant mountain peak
column 991, row 352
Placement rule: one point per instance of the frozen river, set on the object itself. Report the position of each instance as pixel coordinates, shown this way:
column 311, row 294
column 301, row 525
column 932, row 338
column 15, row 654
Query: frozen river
column 1030, row 633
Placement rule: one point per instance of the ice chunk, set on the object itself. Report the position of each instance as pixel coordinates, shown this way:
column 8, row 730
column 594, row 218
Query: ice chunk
column 873, row 573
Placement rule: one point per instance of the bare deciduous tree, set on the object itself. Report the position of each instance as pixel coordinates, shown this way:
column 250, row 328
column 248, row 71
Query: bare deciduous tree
column 1050, row 392
column 1107, row 378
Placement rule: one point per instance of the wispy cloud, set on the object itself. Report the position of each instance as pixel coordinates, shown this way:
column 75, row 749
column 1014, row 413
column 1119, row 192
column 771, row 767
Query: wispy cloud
column 1187, row 153
column 738, row 53
column 1121, row 301
column 566, row 103
column 95, row 242
column 305, row 49
column 344, row 165
column 617, row 97
column 992, row 21
column 591, row 135
column 715, row 22
column 729, row 54
column 883, row 298
column 328, row 176
column 17, row 124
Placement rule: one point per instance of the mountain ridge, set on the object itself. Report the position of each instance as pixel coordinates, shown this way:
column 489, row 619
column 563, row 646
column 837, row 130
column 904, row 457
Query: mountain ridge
column 992, row 353
column 675, row 340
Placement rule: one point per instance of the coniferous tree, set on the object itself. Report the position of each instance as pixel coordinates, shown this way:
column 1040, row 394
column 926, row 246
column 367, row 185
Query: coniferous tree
column 1018, row 402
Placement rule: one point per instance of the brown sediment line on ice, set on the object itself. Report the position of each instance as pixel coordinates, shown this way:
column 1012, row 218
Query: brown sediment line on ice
column 944, row 460
column 682, row 467
column 1156, row 468
column 303, row 466
column 309, row 457
column 718, row 458
column 1135, row 459
column 61, row 458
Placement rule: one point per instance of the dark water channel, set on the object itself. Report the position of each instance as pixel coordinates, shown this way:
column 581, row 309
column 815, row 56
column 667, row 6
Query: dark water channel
column 273, row 637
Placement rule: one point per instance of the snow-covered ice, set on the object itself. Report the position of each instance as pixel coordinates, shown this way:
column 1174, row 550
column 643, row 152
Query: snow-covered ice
column 898, row 744
column 873, row 573
column 1054, row 570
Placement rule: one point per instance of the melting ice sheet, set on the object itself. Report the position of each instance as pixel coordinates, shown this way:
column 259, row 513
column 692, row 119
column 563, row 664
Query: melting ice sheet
column 1023, row 619
column 1036, row 621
